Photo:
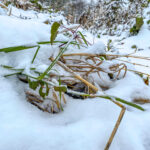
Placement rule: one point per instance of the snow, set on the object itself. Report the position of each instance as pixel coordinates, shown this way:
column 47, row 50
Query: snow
column 84, row 124
column 91, row 1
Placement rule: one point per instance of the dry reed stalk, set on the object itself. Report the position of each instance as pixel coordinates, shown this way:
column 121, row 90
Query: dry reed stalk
column 75, row 66
column 81, row 61
column 116, row 125
column 83, row 71
column 76, row 75
column 34, row 100
column 96, row 89
column 33, row 97
column 64, row 99
column 87, row 66
column 56, row 99
column 116, row 68
column 91, row 70
column 123, row 109
column 99, row 55
column 136, row 64
column 38, row 106
column 141, row 100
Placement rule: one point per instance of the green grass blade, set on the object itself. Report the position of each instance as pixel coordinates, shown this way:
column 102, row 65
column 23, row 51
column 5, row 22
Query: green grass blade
column 109, row 98
column 130, row 104
column 8, row 75
column 123, row 101
column 44, row 42
column 62, row 42
column 11, row 68
column 85, row 41
column 35, row 54
column 16, row 48
column 56, row 59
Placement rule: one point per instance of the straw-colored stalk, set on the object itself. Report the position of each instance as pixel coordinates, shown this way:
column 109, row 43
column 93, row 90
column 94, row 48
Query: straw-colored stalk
column 76, row 75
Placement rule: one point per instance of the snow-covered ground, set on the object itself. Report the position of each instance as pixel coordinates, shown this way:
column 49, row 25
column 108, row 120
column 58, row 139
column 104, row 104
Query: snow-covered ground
column 84, row 124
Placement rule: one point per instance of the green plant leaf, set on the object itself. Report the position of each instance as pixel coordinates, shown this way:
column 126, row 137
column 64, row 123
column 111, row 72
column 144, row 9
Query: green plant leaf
column 136, row 28
column 102, row 58
column 47, row 90
column 54, row 31
column 60, row 88
column 33, row 84
column 42, row 94
column 139, row 23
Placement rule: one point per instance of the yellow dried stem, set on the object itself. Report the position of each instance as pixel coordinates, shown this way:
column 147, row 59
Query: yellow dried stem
column 56, row 99
column 76, row 75
column 134, row 63
column 116, row 125
column 52, row 108
column 98, row 55
column 64, row 99
column 141, row 100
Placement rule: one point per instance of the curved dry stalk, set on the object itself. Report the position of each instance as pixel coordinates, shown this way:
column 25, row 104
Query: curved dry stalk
column 116, row 68
column 76, row 75
column 88, row 65
column 93, row 69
